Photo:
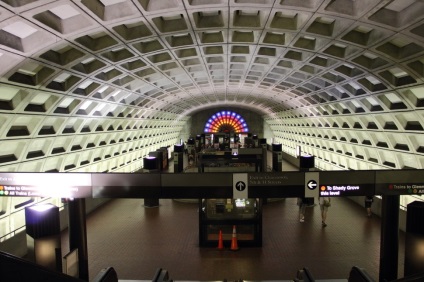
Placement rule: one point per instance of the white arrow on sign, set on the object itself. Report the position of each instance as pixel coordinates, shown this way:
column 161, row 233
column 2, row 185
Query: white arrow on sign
column 312, row 184
column 240, row 185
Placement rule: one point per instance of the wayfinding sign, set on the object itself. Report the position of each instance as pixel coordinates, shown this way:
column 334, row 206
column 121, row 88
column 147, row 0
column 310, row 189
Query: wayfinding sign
column 399, row 182
column 240, row 186
column 57, row 185
column 311, row 184
column 276, row 184
column 125, row 185
column 196, row 185
column 346, row 183
column 213, row 184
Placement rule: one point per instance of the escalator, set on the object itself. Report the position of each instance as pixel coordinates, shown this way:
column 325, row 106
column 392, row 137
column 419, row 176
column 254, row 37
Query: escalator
column 16, row 269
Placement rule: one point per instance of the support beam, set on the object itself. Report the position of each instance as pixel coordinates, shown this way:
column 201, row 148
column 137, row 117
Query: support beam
column 78, row 235
column 389, row 243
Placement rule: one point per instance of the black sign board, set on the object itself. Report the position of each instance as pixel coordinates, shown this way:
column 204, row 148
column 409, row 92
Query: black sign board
column 276, row 184
column 56, row 185
column 126, row 185
column 210, row 185
column 197, row 185
column 400, row 182
column 346, row 183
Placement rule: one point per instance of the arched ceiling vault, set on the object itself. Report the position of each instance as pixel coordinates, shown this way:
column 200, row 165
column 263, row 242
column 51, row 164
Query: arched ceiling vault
column 127, row 75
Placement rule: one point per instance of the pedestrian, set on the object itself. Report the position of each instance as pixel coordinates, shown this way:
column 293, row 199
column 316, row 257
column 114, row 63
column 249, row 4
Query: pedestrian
column 301, row 202
column 190, row 160
column 368, row 203
column 324, row 203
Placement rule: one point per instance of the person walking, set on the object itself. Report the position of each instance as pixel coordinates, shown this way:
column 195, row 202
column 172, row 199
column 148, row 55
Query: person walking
column 368, row 203
column 324, row 204
column 301, row 202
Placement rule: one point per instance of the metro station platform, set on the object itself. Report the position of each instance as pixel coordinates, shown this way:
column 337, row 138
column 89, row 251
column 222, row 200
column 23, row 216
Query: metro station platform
column 136, row 241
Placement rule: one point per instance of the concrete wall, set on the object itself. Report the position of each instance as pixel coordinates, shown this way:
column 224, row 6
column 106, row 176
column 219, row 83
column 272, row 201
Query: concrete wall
column 290, row 159
column 268, row 133
column 185, row 132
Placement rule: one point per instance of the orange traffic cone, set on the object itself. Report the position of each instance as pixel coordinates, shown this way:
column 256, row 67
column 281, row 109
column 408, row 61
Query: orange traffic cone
column 234, row 245
column 220, row 242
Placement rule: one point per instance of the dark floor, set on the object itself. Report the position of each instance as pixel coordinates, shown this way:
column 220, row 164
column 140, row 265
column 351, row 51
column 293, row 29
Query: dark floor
column 136, row 241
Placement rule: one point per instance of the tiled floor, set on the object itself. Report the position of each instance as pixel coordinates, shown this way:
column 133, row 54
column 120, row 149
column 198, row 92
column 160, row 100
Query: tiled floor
column 136, row 241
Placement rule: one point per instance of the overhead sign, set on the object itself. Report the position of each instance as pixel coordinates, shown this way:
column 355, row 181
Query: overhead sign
column 311, row 184
column 276, row 184
column 240, row 186
column 125, row 185
column 347, row 183
column 212, row 185
column 196, row 185
column 401, row 182
column 63, row 185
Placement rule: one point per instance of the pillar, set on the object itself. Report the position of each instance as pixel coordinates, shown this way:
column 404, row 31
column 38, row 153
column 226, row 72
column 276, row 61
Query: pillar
column 389, row 243
column 43, row 235
column 178, row 158
column 151, row 165
column 277, row 157
column 414, row 239
column 306, row 163
column 78, row 234
column 264, row 146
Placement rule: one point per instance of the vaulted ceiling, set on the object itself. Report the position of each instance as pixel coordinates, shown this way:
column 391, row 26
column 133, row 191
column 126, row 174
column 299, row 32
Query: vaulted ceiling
column 94, row 85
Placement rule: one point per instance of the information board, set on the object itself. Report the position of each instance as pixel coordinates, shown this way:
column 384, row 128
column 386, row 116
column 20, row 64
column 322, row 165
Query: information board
column 125, row 185
column 56, row 185
column 400, row 182
column 240, row 186
column 311, row 184
column 346, row 183
column 196, row 185
column 212, row 185
column 276, row 184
